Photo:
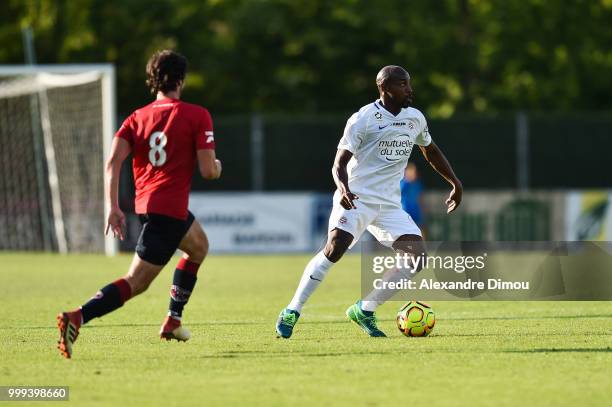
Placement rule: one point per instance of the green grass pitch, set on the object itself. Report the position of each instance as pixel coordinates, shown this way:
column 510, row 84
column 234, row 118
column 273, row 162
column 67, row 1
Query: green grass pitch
column 480, row 353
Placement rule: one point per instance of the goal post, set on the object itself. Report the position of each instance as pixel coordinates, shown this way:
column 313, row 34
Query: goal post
column 56, row 124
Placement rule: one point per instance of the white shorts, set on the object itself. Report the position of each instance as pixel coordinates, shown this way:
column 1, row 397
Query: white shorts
column 386, row 222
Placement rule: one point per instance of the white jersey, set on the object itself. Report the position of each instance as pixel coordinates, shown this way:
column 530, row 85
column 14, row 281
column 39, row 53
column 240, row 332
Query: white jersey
column 381, row 144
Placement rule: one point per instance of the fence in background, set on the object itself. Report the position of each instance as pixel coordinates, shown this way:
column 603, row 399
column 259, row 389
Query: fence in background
column 522, row 151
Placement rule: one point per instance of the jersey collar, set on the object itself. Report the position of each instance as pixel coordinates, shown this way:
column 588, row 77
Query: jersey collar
column 378, row 104
column 166, row 100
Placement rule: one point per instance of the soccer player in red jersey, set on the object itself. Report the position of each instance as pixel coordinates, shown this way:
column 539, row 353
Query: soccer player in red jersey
column 166, row 138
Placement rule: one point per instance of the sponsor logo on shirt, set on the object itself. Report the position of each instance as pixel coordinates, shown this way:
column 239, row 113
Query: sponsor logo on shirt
column 396, row 149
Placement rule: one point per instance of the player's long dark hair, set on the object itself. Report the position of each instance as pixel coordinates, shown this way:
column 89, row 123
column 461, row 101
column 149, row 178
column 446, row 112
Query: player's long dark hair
column 165, row 70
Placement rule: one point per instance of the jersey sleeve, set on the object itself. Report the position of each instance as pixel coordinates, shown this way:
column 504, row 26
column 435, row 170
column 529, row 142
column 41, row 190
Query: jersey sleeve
column 205, row 136
column 423, row 138
column 126, row 131
column 353, row 135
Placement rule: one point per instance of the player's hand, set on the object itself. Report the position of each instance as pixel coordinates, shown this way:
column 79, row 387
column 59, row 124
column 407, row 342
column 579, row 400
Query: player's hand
column 219, row 167
column 116, row 223
column 347, row 200
column 454, row 198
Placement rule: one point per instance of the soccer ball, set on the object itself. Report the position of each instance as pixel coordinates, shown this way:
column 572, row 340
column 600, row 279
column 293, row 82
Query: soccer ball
column 416, row 318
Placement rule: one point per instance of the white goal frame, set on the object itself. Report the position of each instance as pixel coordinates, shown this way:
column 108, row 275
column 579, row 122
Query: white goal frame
column 108, row 85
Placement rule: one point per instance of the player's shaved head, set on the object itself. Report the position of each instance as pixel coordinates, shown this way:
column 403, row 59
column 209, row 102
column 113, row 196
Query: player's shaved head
column 394, row 87
column 391, row 72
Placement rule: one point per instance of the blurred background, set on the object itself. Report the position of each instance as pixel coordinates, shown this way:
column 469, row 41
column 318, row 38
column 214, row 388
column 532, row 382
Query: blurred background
column 518, row 94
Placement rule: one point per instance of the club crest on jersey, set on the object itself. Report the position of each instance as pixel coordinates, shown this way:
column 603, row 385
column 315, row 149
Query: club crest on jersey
column 342, row 220
column 378, row 116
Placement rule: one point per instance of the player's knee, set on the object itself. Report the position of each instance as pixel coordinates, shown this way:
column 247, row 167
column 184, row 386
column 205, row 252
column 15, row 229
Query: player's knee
column 412, row 246
column 419, row 259
column 332, row 252
column 335, row 248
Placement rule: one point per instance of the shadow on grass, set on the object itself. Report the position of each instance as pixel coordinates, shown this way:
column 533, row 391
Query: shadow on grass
column 562, row 350
column 268, row 354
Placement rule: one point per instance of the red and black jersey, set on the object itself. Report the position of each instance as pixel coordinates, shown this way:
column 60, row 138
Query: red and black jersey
column 165, row 136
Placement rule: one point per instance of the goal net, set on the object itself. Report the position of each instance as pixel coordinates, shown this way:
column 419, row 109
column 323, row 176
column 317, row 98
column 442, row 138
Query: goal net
column 56, row 125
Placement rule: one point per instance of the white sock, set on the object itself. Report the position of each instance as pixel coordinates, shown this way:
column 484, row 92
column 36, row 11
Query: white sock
column 314, row 273
column 378, row 297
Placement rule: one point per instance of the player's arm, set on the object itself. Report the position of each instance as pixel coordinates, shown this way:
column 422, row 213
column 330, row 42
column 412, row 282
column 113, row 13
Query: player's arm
column 210, row 167
column 208, row 164
column 116, row 219
column 340, row 174
column 435, row 157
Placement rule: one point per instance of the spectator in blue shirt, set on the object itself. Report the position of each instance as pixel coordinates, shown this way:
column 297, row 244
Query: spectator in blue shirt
column 411, row 188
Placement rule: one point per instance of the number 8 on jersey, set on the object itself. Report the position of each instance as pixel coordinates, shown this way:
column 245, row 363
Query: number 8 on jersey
column 157, row 154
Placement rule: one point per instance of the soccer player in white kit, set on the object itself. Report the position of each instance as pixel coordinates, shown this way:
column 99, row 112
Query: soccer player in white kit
column 367, row 170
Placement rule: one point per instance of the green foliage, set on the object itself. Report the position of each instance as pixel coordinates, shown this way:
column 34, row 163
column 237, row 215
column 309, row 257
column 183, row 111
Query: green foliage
column 315, row 55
